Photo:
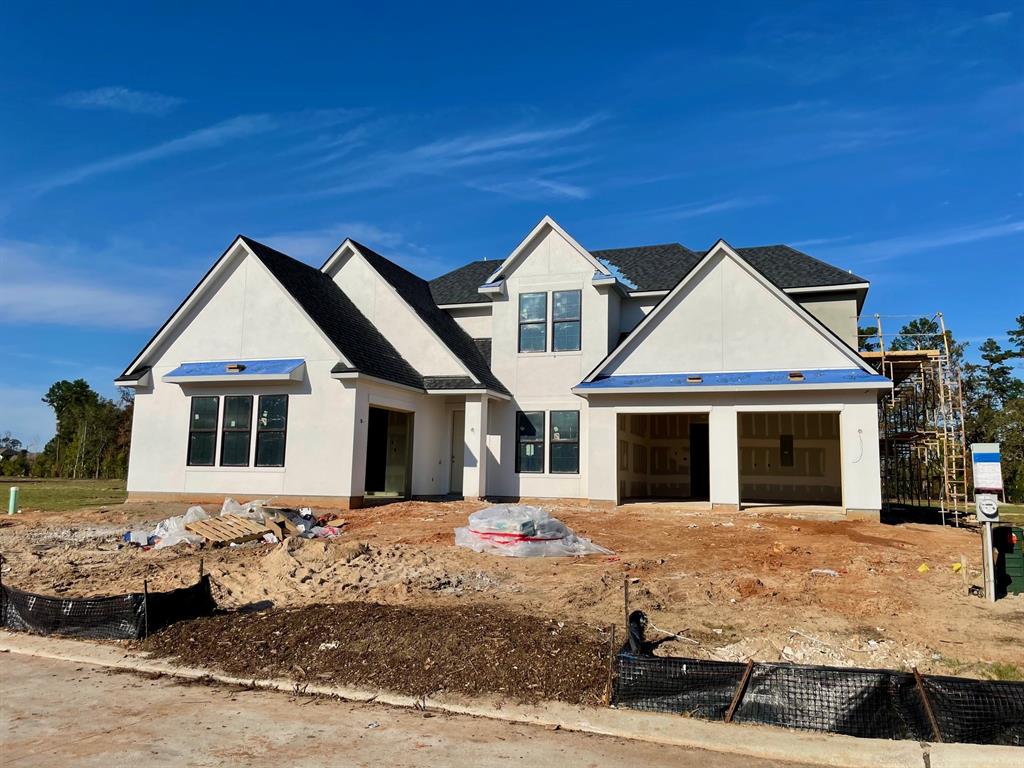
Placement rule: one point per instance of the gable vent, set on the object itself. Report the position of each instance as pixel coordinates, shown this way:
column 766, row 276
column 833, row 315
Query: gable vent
column 694, row 379
column 238, row 368
column 796, row 375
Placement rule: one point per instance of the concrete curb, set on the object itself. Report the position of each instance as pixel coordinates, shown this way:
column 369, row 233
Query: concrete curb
column 749, row 740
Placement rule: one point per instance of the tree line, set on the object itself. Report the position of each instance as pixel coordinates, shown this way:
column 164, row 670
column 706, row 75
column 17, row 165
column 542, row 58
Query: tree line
column 92, row 439
column 993, row 394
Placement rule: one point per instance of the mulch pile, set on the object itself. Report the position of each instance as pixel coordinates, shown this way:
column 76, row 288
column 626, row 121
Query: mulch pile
column 422, row 651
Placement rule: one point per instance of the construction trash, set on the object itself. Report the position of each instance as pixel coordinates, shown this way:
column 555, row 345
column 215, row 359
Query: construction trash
column 280, row 523
column 518, row 530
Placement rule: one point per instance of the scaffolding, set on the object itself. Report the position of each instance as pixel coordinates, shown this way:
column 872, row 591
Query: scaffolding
column 923, row 449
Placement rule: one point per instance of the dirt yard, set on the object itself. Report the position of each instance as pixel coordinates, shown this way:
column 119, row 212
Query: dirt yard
column 734, row 586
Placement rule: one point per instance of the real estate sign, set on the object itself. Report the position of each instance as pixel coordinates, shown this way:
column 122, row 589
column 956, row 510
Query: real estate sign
column 988, row 473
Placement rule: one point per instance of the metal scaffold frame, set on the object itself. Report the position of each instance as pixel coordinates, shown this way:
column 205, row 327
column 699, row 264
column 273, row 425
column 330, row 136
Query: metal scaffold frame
column 923, row 449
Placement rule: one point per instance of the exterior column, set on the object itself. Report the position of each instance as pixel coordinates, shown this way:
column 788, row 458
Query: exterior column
column 360, row 416
column 602, row 441
column 474, row 459
column 723, row 439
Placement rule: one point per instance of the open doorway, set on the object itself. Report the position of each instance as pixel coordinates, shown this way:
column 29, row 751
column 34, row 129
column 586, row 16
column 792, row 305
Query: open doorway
column 388, row 455
column 664, row 456
column 790, row 458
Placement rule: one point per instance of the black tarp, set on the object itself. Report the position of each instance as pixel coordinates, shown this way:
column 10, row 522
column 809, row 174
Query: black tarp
column 121, row 617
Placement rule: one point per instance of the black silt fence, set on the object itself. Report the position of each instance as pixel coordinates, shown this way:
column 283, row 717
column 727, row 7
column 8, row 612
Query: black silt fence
column 122, row 617
column 869, row 703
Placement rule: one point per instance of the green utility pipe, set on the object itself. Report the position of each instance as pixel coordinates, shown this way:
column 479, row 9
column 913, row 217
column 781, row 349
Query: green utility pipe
column 12, row 504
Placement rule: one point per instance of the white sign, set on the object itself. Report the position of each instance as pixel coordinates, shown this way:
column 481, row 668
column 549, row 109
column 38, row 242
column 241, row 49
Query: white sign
column 987, row 507
column 988, row 473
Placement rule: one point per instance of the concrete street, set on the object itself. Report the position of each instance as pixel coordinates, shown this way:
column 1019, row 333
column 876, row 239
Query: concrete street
column 57, row 713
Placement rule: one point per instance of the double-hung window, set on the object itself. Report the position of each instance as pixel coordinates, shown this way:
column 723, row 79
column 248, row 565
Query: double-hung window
column 530, row 441
column 533, row 322
column 202, row 431
column 236, row 431
column 565, row 321
column 271, row 426
column 565, row 442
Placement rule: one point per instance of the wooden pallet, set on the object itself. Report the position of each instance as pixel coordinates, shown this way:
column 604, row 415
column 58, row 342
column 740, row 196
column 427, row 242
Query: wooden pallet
column 227, row 529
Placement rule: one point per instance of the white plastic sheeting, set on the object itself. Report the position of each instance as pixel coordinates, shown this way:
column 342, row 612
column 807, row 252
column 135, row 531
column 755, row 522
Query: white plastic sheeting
column 172, row 531
column 519, row 530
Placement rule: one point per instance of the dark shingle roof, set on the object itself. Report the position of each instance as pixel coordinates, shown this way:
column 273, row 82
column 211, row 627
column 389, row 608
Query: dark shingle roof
column 659, row 268
column 459, row 286
column 416, row 293
column 335, row 314
column 450, row 382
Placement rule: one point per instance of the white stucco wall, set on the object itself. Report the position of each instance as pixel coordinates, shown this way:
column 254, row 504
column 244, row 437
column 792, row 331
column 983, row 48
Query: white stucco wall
column 247, row 316
column 395, row 319
column 541, row 381
column 837, row 312
column 634, row 310
column 476, row 321
column 726, row 320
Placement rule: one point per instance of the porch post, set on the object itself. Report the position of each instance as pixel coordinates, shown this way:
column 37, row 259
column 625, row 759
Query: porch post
column 723, row 439
column 360, row 428
column 474, row 462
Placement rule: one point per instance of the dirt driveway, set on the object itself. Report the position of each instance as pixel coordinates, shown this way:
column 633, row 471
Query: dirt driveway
column 736, row 586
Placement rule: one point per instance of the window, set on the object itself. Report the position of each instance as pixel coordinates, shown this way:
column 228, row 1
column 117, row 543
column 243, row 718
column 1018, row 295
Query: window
column 533, row 322
column 786, row 450
column 271, row 425
column 565, row 441
column 530, row 447
column 202, row 431
column 236, row 431
column 565, row 321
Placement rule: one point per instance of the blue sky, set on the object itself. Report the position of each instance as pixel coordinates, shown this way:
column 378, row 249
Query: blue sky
column 883, row 137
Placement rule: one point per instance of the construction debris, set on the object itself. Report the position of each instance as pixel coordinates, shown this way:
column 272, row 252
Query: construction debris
column 228, row 529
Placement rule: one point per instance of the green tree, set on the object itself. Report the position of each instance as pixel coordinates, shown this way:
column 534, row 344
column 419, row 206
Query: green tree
column 868, row 338
column 93, row 432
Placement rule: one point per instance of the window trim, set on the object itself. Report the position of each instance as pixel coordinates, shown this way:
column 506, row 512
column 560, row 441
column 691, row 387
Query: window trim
column 224, row 428
column 215, row 429
column 284, row 432
column 576, row 442
column 543, row 322
column 541, row 441
column 578, row 320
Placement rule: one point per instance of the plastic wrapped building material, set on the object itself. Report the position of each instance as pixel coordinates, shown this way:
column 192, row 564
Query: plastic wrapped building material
column 518, row 530
column 172, row 531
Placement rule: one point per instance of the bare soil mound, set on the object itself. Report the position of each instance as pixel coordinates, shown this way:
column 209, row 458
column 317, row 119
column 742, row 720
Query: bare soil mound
column 469, row 650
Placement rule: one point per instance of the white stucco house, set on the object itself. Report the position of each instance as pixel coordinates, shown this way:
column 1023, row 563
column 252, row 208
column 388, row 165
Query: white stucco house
column 724, row 377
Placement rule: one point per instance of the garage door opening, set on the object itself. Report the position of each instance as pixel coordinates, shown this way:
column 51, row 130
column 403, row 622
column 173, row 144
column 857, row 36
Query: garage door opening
column 790, row 458
column 663, row 457
column 388, row 455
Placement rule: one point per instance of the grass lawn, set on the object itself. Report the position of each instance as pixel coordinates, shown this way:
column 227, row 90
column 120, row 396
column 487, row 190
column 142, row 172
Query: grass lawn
column 62, row 495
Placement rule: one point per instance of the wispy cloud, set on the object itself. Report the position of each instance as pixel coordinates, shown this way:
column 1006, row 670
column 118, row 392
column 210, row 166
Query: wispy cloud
column 472, row 158
column 537, row 188
column 818, row 241
column 895, row 247
column 314, row 246
column 117, row 98
column 696, row 210
column 212, row 136
column 39, row 289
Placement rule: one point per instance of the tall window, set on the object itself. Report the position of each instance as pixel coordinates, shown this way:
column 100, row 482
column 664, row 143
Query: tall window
column 533, row 322
column 236, row 431
column 530, row 447
column 271, row 425
column 202, row 431
column 565, row 321
column 565, row 441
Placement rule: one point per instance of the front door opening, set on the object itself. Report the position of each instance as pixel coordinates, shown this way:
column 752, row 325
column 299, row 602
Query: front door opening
column 663, row 456
column 458, row 452
column 388, row 455
column 790, row 458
